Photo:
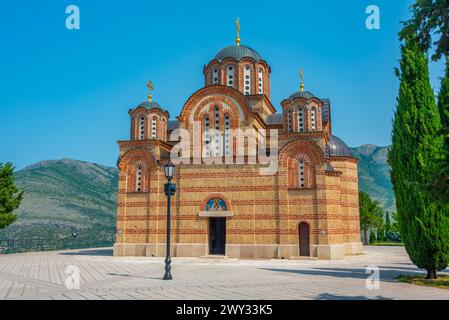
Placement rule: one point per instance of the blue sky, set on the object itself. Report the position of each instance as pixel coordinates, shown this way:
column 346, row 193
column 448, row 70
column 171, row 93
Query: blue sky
column 67, row 93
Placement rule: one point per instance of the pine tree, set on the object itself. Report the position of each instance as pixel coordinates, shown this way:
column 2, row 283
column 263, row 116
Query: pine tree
column 416, row 147
column 10, row 196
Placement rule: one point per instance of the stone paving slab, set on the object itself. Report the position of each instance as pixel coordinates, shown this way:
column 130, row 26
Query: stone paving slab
column 104, row 277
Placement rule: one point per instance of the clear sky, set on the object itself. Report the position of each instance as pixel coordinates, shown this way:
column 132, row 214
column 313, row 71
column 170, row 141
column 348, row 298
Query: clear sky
column 67, row 93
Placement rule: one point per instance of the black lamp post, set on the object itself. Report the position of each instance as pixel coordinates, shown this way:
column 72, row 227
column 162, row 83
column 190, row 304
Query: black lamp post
column 170, row 189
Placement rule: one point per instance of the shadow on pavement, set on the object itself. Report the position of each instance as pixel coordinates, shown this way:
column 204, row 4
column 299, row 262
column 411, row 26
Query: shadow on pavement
column 386, row 273
column 330, row 296
column 90, row 252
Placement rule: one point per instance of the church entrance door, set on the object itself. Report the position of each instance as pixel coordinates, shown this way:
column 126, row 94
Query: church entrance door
column 217, row 236
column 304, row 239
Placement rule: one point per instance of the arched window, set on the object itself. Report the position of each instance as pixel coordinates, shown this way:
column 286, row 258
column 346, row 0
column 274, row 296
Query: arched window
column 301, row 172
column 142, row 128
column 247, row 76
column 302, row 176
column 227, row 141
column 215, row 76
column 260, row 80
column 206, row 136
column 153, row 128
column 313, row 119
column 230, row 77
column 289, row 121
column 301, row 120
column 217, row 145
column 139, row 179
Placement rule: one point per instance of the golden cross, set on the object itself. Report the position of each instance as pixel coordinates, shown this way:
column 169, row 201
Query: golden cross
column 237, row 26
column 301, row 76
column 150, row 88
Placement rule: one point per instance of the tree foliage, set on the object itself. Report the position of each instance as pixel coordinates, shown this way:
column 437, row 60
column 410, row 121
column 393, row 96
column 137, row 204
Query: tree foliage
column 430, row 18
column 416, row 147
column 438, row 185
column 10, row 196
column 371, row 216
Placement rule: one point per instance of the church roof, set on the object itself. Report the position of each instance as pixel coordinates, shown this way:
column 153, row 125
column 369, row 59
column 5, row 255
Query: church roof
column 238, row 52
column 302, row 94
column 150, row 105
column 336, row 147
column 276, row 118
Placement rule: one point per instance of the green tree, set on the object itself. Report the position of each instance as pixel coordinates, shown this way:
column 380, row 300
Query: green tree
column 10, row 196
column 430, row 17
column 438, row 185
column 423, row 225
column 387, row 223
column 371, row 216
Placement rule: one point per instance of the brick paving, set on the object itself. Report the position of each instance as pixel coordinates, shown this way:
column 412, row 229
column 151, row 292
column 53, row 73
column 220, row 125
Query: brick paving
column 102, row 276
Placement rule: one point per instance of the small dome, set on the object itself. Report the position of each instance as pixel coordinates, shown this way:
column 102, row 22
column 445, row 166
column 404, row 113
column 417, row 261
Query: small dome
column 150, row 105
column 238, row 52
column 302, row 94
column 337, row 148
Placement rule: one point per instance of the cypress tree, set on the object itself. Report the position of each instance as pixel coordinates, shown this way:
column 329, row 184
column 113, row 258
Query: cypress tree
column 416, row 147
column 443, row 102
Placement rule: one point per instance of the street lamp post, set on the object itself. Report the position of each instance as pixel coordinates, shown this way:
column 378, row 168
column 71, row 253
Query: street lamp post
column 170, row 189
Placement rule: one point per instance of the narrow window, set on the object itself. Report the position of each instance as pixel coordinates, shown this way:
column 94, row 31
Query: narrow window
column 289, row 121
column 247, row 80
column 230, row 77
column 301, row 120
column 206, row 136
column 142, row 128
column 313, row 119
column 139, row 179
column 215, row 77
column 227, row 136
column 153, row 128
column 301, row 171
column 260, row 81
column 217, row 145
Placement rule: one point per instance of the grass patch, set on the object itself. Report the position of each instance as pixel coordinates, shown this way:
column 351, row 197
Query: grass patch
column 442, row 282
column 386, row 243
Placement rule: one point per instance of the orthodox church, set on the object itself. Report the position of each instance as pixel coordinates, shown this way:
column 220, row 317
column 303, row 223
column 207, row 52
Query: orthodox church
column 307, row 208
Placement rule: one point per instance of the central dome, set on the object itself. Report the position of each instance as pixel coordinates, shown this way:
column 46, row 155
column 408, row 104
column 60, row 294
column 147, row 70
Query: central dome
column 238, row 52
column 302, row 94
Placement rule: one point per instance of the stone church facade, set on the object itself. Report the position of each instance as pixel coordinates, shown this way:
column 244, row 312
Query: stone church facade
column 308, row 207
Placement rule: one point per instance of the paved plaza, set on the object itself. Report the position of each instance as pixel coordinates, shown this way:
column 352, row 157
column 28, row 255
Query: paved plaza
column 43, row 276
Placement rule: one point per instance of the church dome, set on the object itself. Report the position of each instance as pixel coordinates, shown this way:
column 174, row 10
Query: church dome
column 238, row 52
column 337, row 148
column 302, row 94
column 150, row 105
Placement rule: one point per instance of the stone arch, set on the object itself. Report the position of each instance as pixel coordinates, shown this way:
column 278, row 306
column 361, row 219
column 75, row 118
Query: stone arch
column 218, row 94
column 128, row 165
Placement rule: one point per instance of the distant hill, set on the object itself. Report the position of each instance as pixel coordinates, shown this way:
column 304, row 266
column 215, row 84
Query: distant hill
column 374, row 174
column 69, row 196
column 64, row 197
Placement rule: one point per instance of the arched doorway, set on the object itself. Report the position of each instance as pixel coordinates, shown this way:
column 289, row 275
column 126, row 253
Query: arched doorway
column 304, row 239
column 217, row 226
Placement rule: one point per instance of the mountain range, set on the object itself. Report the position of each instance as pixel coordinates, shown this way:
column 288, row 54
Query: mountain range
column 70, row 197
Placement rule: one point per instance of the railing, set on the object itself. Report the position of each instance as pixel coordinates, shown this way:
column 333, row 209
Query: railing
column 32, row 245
